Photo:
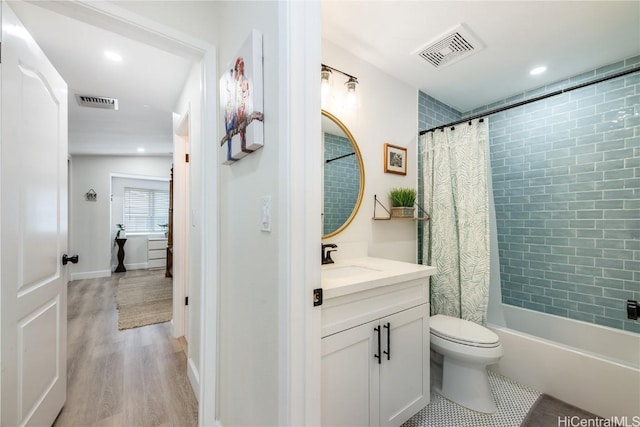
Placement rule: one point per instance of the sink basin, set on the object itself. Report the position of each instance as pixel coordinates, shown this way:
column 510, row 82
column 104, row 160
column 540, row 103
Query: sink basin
column 343, row 271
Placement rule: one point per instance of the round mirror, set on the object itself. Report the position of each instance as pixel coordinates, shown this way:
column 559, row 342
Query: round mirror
column 343, row 176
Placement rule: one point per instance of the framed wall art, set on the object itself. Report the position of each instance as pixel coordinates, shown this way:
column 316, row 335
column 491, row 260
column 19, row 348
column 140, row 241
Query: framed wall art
column 241, row 103
column 395, row 159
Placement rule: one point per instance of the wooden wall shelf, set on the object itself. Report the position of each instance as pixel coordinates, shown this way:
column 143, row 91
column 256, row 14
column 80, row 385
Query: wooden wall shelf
column 388, row 217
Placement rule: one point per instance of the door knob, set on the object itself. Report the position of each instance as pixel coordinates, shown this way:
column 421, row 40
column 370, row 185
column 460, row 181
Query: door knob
column 66, row 259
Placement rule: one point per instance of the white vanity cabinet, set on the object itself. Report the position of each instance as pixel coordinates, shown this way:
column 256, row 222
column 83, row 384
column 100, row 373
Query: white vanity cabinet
column 375, row 343
column 377, row 373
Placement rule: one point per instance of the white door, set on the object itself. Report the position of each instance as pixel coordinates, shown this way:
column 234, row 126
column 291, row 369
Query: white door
column 404, row 373
column 349, row 390
column 33, row 230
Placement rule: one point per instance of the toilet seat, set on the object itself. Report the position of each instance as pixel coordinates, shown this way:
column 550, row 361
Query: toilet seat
column 463, row 332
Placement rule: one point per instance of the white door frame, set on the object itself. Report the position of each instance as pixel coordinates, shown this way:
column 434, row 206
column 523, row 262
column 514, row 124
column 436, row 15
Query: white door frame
column 180, row 223
column 300, row 184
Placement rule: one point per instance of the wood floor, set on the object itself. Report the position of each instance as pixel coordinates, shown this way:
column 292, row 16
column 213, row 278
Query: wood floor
column 136, row 377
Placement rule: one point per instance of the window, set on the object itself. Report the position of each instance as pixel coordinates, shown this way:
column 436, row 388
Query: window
column 145, row 210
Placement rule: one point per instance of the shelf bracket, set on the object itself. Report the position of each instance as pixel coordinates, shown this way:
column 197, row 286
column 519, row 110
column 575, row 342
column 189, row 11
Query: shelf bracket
column 378, row 202
column 426, row 216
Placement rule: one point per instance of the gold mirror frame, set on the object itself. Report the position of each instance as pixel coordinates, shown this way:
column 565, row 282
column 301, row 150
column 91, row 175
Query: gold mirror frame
column 356, row 208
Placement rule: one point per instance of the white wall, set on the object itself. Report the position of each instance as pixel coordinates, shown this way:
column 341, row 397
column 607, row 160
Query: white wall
column 189, row 230
column 248, row 334
column 90, row 228
column 387, row 112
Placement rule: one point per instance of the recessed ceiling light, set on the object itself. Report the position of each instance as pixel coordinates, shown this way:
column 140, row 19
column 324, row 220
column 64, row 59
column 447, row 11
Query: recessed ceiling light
column 112, row 56
column 140, row 150
column 538, row 70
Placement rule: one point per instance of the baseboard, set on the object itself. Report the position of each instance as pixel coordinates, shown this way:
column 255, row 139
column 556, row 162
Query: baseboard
column 194, row 378
column 89, row 275
column 136, row 266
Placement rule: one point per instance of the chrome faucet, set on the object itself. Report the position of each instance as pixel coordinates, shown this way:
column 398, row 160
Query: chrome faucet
column 326, row 255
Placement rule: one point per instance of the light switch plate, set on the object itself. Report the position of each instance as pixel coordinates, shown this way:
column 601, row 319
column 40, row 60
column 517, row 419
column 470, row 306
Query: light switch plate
column 265, row 212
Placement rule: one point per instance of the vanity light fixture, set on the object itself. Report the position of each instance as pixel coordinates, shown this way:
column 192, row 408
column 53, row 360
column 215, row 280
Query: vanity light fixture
column 351, row 91
column 351, row 84
column 325, row 75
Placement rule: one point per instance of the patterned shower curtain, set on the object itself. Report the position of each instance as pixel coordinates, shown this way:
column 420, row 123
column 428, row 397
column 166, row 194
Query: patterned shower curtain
column 456, row 240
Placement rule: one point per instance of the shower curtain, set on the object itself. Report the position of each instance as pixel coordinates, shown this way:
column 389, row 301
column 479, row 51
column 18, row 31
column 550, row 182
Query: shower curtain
column 456, row 240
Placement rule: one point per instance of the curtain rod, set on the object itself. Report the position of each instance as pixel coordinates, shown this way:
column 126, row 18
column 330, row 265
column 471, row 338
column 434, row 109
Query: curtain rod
column 537, row 98
column 340, row 157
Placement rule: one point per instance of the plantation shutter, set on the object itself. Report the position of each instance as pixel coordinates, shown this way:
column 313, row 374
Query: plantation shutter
column 145, row 210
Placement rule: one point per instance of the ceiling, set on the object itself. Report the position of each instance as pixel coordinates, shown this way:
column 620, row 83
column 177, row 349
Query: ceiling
column 568, row 37
column 147, row 82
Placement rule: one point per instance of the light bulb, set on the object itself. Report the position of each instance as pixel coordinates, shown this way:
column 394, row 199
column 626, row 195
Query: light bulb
column 325, row 86
column 352, row 98
column 351, row 84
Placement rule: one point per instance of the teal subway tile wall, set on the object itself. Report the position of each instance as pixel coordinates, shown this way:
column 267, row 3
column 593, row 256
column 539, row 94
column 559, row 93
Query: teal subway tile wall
column 566, row 183
column 341, row 181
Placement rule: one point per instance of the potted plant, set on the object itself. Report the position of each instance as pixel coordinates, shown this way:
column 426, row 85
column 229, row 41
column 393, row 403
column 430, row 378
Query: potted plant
column 402, row 202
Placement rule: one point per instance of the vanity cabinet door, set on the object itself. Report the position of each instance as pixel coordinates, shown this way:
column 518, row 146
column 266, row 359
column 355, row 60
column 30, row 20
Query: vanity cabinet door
column 350, row 376
column 404, row 373
column 359, row 389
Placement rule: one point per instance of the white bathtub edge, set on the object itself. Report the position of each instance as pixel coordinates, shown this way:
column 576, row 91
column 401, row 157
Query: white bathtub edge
column 610, row 343
column 606, row 388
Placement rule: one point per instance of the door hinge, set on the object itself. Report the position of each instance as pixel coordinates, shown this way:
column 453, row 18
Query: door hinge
column 317, row 297
column 186, row 158
column 186, row 300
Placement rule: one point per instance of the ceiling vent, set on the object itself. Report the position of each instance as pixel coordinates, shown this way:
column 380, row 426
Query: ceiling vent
column 451, row 47
column 97, row 102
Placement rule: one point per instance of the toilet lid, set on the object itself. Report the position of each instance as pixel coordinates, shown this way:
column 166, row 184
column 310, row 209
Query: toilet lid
column 462, row 331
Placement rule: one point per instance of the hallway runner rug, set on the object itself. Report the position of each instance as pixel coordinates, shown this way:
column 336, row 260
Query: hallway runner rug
column 144, row 300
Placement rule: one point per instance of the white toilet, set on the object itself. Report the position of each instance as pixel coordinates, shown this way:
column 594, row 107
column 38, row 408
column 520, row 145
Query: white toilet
column 467, row 348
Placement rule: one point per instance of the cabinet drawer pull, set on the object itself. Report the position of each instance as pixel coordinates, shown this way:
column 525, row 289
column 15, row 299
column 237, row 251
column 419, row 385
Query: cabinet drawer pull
column 377, row 356
column 388, row 352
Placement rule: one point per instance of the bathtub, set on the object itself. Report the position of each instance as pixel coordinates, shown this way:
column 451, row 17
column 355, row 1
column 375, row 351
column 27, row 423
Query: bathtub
column 593, row 367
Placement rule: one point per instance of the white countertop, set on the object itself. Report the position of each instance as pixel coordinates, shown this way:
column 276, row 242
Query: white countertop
column 360, row 274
